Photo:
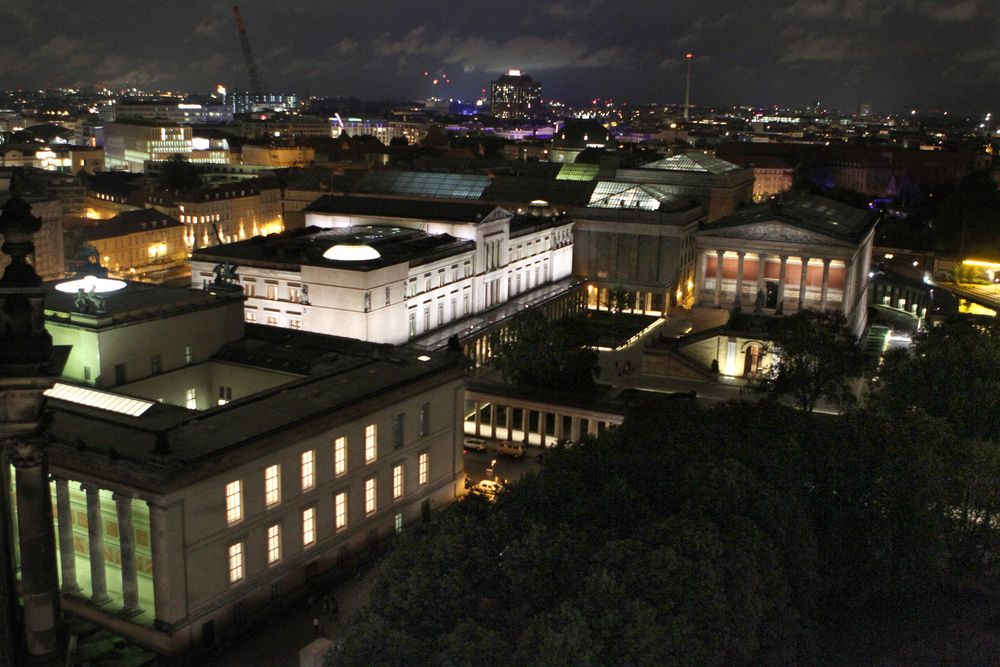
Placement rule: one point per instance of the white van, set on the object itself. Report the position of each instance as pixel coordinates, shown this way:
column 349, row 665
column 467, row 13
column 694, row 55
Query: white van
column 511, row 448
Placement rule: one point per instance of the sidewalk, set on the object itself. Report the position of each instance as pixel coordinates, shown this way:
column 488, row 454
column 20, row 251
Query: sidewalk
column 277, row 642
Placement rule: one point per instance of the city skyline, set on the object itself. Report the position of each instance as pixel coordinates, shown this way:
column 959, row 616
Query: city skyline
column 896, row 54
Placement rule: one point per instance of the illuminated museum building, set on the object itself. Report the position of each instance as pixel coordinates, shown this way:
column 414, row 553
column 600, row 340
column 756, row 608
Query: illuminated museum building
column 227, row 469
column 388, row 270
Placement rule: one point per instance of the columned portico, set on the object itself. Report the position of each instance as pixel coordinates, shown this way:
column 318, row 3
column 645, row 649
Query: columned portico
column 720, row 256
column 126, row 542
column 739, row 279
column 95, row 538
column 67, row 556
column 780, row 307
column 803, row 275
column 826, row 284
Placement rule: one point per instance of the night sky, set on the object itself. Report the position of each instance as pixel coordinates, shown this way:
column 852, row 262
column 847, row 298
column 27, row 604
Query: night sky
column 943, row 54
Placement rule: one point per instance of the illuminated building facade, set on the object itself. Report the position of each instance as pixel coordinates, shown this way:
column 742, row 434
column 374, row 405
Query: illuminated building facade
column 144, row 244
column 128, row 145
column 278, row 156
column 47, row 258
column 171, row 111
column 190, row 499
column 515, row 96
column 225, row 213
column 390, row 271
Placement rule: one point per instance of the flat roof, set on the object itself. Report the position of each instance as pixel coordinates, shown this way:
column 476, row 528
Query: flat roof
column 809, row 212
column 418, row 209
column 362, row 378
column 395, row 245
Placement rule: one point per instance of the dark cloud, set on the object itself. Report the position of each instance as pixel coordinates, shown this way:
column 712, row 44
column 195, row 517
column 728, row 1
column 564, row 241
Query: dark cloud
column 896, row 53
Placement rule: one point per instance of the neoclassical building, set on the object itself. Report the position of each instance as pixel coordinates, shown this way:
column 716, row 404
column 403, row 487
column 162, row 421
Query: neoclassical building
column 785, row 255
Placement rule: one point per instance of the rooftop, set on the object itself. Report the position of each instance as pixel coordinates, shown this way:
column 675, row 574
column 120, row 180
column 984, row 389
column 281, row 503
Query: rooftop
column 419, row 209
column 311, row 246
column 697, row 162
column 809, row 212
column 123, row 224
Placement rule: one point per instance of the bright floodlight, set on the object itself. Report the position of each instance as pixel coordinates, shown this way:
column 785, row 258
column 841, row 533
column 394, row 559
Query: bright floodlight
column 345, row 252
column 90, row 284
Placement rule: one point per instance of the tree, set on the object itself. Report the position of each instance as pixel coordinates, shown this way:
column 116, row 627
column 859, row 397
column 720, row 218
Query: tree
column 537, row 352
column 179, row 174
column 618, row 299
column 814, row 356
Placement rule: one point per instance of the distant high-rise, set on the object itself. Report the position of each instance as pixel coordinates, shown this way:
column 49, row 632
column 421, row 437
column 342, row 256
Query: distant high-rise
column 515, row 95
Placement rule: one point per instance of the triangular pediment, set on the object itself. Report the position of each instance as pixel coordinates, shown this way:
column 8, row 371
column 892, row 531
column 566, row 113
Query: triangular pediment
column 774, row 230
column 499, row 213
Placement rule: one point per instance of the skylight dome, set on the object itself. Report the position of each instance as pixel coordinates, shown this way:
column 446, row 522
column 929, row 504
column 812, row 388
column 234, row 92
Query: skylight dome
column 346, row 252
column 90, row 284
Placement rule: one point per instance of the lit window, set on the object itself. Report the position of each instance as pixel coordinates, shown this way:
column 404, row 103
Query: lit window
column 371, row 443
column 308, row 476
column 191, row 399
column 340, row 511
column 235, row 562
column 340, row 456
column 397, row 481
column 272, row 485
column 399, row 523
column 369, row 495
column 273, row 544
column 308, row 527
column 234, row 502
column 423, row 465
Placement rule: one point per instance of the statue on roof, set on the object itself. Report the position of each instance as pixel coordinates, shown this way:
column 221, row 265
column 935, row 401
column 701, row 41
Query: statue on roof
column 89, row 303
column 225, row 273
column 90, row 261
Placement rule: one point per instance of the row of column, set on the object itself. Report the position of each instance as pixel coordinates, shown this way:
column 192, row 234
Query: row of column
column 761, row 262
column 525, row 425
column 95, row 538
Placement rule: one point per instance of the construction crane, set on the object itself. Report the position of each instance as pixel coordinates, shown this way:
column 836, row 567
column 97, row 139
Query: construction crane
column 256, row 87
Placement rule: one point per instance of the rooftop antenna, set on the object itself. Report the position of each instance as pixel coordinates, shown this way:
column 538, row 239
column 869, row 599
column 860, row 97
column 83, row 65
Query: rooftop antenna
column 687, row 85
column 256, row 87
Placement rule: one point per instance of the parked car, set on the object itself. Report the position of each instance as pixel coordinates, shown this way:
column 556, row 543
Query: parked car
column 475, row 444
column 511, row 448
column 488, row 488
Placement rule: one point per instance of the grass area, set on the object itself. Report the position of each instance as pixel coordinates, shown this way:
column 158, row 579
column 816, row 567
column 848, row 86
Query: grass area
column 598, row 326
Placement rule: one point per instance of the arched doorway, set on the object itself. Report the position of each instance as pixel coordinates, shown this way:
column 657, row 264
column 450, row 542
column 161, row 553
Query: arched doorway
column 753, row 355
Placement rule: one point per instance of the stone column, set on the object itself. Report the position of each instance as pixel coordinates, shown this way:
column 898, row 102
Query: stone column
column 739, row 278
column 95, row 537
column 39, row 579
column 541, row 428
column 761, row 263
column 510, row 422
column 525, row 423
column 169, row 576
column 558, row 431
column 574, row 429
column 826, row 284
column 126, row 543
column 67, row 555
column 802, row 282
column 699, row 279
column 720, row 254
column 493, row 419
column 780, row 305
column 478, row 418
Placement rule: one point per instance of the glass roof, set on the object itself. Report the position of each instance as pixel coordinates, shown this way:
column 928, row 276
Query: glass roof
column 104, row 400
column 577, row 172
column 90, row 284
column 424, row 184
column 615, row 194
column 692, row 162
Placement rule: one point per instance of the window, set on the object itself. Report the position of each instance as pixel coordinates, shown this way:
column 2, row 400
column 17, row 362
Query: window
column 235, row 562
column 399, row 523
column 120, row 374
column 370, row 495
column 423, row 465
column 225, row 395
column 440, row 312
column 308, row 471
column 340, row 511
column 273, row 544
column 340, row 456
column 308, row 526
column 272, row 485
column 427, row 282
column 411, row 287
column 191, row 399
column 397, row 481
column 398, row 424
column 440, row 278
column 413, row 322
column 294, row 294
column 427, row 318
column 371, row 443
column 425, row 419
column 272, row 292
column 188, row 354
column 250, row 289
column 234, row 502
column 294, row 323
column 251, row 317
column 156, row 364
